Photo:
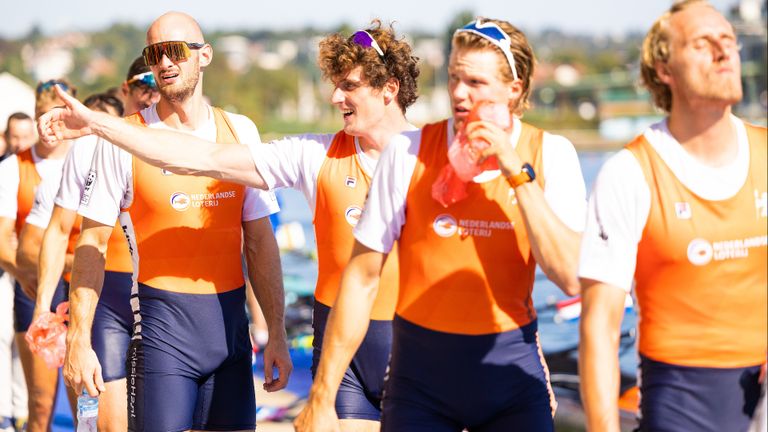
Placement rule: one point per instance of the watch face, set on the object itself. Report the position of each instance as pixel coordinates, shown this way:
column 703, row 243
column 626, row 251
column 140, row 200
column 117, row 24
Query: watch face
column 529, row 170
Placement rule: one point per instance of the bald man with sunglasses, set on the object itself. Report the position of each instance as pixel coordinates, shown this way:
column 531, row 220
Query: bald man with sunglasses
column 189, row 360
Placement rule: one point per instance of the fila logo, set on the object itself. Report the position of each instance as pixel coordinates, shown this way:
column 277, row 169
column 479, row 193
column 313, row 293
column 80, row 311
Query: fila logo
column 351, row 182
column 761, row 204
column 682, row 210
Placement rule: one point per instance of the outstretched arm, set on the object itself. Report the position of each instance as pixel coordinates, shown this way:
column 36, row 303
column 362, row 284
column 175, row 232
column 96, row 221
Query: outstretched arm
column 265, row 273
column 344, row 332
column 175, row 151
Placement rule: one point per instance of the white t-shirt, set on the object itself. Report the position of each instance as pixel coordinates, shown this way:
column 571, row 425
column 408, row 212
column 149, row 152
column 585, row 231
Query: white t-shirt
column 384, row 214
column 113, row 169
column 295, row 162
column 9, row 180
column 621, row 201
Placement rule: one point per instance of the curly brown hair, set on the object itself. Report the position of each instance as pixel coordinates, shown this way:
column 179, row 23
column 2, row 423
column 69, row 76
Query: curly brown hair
column 656, row 49
column 339, row 55
column 521, row 49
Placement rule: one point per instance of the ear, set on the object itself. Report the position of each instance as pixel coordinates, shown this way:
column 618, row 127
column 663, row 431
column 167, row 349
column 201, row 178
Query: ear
column 390, row 90
column 124, row 90
column 515, row 90
column 663, row 72
column 206, row 55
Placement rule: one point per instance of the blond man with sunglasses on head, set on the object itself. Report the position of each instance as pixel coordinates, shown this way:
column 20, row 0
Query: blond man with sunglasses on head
column 189, row 359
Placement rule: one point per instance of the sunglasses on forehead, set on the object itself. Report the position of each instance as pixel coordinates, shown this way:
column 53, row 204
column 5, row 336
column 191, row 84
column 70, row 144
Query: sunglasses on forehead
column 364, row 39
column 491, row 32
column 146, row 79
column 43, row 86
column 176, row 51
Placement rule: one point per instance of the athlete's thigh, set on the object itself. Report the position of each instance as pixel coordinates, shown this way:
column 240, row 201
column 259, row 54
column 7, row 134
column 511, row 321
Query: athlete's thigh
column 226, row 400
column 160, row 399
column 533, row 418
column 110, row 339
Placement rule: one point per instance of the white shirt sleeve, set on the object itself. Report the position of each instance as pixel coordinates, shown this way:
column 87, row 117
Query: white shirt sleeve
column 41, row 211
column 384, row 213
column 9, row 187
column 257, row 203
column 75, row 171
column 293, row 162
column 107, row 184
column 617, row 214
column 564, row 188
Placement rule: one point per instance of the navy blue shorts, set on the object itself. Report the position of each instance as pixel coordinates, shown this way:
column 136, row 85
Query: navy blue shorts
column 681, row 398
column 447, row 382
column 113, row 325
column 361, row 389
column 189, row 363
column 24, row 307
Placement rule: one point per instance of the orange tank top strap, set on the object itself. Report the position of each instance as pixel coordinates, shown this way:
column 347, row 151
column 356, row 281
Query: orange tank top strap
column 29, row 179
column 468, row 268
column 342, row 187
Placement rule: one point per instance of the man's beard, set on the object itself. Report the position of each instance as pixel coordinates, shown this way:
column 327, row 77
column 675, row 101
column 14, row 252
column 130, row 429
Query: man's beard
column 182, row 92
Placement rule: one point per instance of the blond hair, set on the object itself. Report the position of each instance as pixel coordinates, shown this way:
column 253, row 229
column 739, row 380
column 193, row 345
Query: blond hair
column 521, row 49
column 656, row 49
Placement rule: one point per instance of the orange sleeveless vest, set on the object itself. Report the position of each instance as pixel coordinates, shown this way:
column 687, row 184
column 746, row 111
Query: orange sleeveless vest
column 187, row 230
column 342, row 187
column 702, row 280
column 466, row 269
column 29, row 179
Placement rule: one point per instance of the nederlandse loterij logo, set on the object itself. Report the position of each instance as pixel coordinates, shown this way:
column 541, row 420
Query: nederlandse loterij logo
column 445, row 225
column 700, row 252
column 180, row 201
column 352, row 214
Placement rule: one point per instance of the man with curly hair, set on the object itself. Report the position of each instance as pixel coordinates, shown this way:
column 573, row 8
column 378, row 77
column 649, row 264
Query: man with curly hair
column 374, row 76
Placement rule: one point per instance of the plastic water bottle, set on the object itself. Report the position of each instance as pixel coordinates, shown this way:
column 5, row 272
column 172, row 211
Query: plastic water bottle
column 87, row 412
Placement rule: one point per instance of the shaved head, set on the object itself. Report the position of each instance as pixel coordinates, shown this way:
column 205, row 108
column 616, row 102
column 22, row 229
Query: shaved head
column 174, row 26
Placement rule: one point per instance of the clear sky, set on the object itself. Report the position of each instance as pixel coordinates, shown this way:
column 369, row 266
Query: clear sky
column 602, row 17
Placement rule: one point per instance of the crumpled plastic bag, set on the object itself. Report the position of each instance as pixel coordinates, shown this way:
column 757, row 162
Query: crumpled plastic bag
column 463, row 155
column 47, row 335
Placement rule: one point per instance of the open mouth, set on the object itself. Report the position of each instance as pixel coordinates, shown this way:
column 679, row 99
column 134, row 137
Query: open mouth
column 347, row 113
column 169, row 76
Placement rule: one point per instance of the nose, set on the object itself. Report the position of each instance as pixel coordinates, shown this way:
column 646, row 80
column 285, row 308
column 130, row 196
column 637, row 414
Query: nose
column 459, row 91
column 337, row 96
column 165, row 61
